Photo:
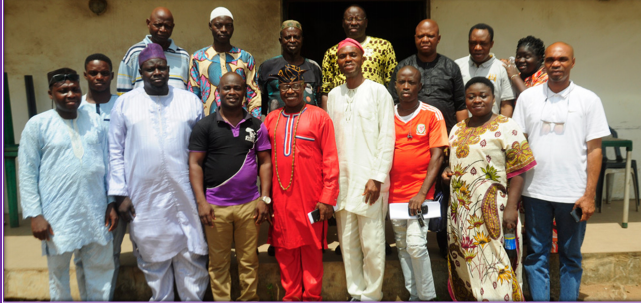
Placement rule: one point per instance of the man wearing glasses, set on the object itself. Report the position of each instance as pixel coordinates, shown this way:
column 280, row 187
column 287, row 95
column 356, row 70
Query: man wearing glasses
column 305, row 180
column 379, row 56
column 291, row 41
column 564, row 123
column 63, row 189
column 161, row 25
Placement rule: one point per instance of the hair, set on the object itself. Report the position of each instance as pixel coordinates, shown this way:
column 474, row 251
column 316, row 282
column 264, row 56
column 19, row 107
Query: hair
column 537, row 45
column 482, row 26
column 481, row 80
column 64, row 70
column 100, row 57
column 356, row 5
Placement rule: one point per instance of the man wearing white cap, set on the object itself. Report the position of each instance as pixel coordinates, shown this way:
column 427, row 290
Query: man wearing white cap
column 209, row 64
column 161, row 25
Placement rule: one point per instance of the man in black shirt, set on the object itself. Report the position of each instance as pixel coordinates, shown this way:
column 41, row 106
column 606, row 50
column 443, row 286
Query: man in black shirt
column 443, row 85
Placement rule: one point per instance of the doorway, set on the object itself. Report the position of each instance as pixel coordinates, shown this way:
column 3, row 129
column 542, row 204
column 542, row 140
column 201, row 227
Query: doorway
column 394, row 21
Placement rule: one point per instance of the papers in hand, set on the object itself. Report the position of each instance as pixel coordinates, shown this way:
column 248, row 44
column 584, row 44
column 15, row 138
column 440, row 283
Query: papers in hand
column 399, row 211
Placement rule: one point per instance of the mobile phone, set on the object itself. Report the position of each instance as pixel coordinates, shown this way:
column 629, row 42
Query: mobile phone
column 423, row 210
column 577, row 213
column 314, row 216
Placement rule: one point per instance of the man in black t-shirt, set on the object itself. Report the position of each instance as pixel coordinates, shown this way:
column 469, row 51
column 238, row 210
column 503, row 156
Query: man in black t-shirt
column 223, row 151
column 443, row 85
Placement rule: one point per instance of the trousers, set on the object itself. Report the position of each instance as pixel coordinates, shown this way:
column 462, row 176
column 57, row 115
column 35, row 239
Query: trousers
column 94, row 270
column 362, row 241
column 301, row 268
column 411, row 243
column 190, row 274
column 233, row 224
column 538, row 225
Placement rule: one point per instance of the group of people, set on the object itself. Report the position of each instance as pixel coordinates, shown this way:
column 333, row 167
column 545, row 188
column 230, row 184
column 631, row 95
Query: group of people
column 176, row 157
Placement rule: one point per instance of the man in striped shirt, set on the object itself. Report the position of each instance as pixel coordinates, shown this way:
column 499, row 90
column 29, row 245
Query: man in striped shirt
column 161, row 25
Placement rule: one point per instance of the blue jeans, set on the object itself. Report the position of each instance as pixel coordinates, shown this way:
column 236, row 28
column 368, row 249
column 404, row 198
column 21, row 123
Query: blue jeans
column 538, row 225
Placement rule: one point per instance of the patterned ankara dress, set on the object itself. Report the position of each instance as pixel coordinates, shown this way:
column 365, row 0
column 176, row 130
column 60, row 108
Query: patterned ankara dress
column 483, row 159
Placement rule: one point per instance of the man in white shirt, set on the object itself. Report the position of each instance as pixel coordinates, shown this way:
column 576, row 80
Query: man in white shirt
column 482, row 63
column 149, row 175
column 363, row 115
column 99, row 100
column 564, row 123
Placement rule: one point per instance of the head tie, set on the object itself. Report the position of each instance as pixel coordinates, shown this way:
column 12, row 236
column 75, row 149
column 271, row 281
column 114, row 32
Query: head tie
column 350, row 41
column 152, row 51
column 289, row 73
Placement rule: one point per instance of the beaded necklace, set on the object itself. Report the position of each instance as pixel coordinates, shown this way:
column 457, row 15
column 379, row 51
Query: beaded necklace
column 291, row 178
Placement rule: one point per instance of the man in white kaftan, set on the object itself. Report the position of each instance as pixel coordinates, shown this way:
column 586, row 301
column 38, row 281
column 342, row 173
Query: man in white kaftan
column 148, row 139
column 363, row 116
column 63, row 168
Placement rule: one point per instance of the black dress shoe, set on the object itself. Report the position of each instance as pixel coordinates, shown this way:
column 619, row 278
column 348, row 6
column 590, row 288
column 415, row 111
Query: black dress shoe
column 271, row 251
column 338, row 250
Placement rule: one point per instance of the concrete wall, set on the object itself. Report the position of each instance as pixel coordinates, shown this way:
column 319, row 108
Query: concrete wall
column 604, row 34
column 43, row 35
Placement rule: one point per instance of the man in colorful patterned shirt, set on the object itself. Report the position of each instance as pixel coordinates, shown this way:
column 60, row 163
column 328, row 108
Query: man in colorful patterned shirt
column 209, row 64
column 161, row 25
column 379, row 58
column 291, row 41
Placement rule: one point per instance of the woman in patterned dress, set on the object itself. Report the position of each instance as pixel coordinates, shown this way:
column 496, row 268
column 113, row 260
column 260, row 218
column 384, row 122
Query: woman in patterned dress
column 488, row 154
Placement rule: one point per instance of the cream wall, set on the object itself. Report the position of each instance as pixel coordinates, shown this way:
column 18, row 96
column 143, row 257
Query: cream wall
column 605, row 36
column 41, row 36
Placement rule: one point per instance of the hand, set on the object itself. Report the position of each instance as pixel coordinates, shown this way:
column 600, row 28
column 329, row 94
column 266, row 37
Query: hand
column 41, row 228
column 263, row 212
column 326, row 211
column 415, row 203
column 111, row 216
column 447, row 174
column 510, row 217
column 586, row 205
column 372, row 191
column 206, row 213
column 126, row 210
column 510, row 68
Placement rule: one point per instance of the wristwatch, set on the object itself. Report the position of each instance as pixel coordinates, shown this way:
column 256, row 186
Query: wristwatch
column 267, row 200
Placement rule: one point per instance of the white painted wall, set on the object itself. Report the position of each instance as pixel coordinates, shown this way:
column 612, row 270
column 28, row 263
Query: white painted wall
column 605, row 35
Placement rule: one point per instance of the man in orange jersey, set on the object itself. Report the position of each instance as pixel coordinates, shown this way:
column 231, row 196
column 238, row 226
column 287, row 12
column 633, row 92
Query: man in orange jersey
column 421, row 138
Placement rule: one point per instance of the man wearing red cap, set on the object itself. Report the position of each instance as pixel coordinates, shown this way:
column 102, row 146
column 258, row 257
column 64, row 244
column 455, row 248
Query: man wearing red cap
column 148, row 139
column 305, row 179
column 379, row 59
column 363, row 115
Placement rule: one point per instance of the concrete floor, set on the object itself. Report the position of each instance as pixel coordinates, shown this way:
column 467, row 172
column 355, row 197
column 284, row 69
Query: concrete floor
column 604, row 236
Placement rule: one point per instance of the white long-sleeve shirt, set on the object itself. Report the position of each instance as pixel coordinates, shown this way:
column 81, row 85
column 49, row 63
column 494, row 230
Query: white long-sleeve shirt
column 63, row 167
column 148, row 139
column 364, row 125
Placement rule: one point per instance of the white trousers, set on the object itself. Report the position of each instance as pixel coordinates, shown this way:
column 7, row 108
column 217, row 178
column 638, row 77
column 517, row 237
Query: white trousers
column 93, row 274
column 190, row 272
column 411, row 243
column 362, row 241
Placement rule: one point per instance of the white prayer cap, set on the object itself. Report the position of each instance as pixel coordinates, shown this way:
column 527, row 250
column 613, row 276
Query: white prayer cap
column 220, row 11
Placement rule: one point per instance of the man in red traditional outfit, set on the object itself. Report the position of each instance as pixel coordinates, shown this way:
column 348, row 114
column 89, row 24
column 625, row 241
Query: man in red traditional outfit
column 305, row 178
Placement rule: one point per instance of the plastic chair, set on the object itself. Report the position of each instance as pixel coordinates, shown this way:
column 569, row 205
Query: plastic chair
column 614, row 166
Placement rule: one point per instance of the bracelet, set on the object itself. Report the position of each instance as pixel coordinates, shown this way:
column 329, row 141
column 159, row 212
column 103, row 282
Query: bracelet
column 513, row 76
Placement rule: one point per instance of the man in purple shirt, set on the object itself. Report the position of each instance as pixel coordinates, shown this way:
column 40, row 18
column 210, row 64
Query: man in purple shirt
column 223, row 149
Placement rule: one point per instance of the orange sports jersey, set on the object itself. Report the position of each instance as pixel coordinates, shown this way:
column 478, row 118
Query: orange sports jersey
column 412, row 154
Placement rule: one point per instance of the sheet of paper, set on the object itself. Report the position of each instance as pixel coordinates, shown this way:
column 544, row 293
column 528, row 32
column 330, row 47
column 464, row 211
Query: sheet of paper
column 399, row 211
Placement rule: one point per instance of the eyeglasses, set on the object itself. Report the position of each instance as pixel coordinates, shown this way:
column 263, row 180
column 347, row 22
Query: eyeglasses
column 294, row 86
column 352, row 19
column 63, row 77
